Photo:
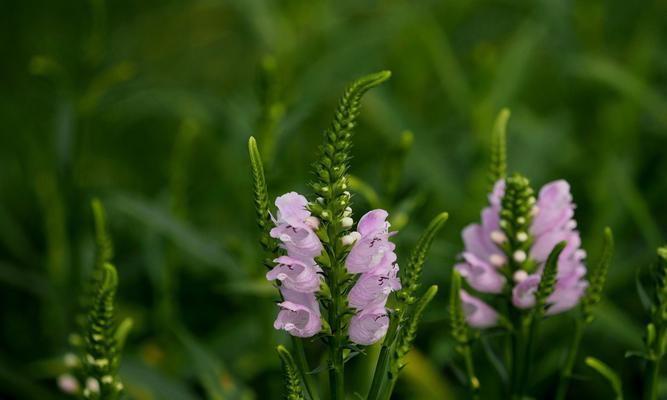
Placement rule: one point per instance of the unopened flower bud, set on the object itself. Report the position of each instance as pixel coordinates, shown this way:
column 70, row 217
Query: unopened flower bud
column 498, row 237
column 534, row 211
column 71, row 360
column 520, row 276
column 346, row 222
column 92, row 385
column 522, row 236
column 350, row 238
column 312, row 222
column 520, row 256
column 320, row 200
column 68, row 384
column 347, row 212
column 521, row 220
column 497, row 260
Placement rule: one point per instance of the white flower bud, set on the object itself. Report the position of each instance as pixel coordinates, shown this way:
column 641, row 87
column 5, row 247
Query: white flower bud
column 347, row 212
column 497, row 260
column 521, row 220
column 498, row 237
column 520, row 256
column 68, row 384
column 520, row 276
column 92, row 385
column 107, row 379
column 522, row 236
column 325, row 214
column 571, row 224
column 348, row 194
column 312, row 222
column 534, row 211
column 346, row 222
column 320, row 200
column 350, row 238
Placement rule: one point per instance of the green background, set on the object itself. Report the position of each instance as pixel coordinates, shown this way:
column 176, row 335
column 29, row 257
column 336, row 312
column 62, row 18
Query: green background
column 148, row 105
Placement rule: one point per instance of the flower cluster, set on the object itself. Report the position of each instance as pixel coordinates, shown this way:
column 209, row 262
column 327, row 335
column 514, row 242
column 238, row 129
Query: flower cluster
column 297, row 271
column 486, row 260
column 372, row 256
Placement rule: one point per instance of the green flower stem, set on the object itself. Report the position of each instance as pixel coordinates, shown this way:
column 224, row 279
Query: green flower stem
column 473, row 381
column 652, row 379
column 338, row 339
column 566, row 373
column 302, row 365
column 383, row 361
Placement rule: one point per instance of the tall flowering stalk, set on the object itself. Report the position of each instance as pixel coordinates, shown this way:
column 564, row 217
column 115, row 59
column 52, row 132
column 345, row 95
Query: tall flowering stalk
column 335, row 279
column 521, row 263
column 93, row 369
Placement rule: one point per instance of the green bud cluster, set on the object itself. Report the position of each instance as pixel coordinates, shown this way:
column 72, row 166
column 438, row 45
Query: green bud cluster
column 457, row 320
column 598, row 277
column 516, row 216
column 291, row 375
column 498, row 168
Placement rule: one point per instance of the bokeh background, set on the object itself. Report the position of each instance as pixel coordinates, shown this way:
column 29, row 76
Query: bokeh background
column 148, row 105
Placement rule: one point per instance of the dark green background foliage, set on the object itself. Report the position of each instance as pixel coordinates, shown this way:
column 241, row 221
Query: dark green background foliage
column 149, row 106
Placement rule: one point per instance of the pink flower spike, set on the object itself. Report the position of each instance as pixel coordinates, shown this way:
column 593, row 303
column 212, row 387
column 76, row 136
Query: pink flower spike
column 478, row 314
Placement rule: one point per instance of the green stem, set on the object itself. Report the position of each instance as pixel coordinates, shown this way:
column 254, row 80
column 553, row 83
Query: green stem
column 566, row 374
column 336, row 367
column 302, row 365
column 473, row 382
column 381, row 367
column 528, row 353
column 517, row 357
column 651, row 384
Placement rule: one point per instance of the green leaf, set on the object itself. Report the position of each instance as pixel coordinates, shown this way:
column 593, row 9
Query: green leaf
column 598, row 276
column 102, row 237
column 412, row 273
column 609, row 374
column 291, row 374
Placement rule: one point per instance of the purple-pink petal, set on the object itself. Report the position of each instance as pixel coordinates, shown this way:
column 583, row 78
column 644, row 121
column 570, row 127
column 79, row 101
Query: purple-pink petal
column 481, row 275
column 372, row 289
column 369, row 326
column 373, row 222
column 295, row 274
column 478, row 314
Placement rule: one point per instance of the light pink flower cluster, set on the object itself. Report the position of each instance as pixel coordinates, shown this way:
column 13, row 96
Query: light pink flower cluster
column 483, row 260
column 297, row 271
column 372, row 256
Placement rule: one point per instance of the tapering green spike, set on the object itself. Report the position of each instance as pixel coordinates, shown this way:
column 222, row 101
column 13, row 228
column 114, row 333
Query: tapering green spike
column 598, row 276
column 498, row 168
column 261, row 198
column 331, row 167
column 548, row 281
column 516, row 215
column 412, row 272
column 457, row 320
column 290, row 372
column 102, row 237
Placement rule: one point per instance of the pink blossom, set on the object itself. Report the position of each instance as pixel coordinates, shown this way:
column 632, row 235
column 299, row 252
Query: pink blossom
column 295, row 275
column 373, row 247
column 478, row 314
column 294, row 227
column 369, row 326
column 480, row 275
column 373, row 288
column 299, row 314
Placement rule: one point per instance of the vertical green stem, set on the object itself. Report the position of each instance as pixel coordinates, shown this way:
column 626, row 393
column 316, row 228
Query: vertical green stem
column 652, row 378
column 383, row 360
column 517, row 358
column 336, row 368
column 566, row 374
column 302, row 365
column 473, row 382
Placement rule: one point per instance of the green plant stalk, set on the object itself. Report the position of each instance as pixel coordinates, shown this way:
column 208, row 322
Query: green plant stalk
column 302, row 365
column 473, row 382
column 336, row 369
column 566, row 373
column 653, row 378
column 383, row 359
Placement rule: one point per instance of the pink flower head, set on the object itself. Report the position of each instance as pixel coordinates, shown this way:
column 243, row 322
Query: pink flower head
column 478, row 314
column 373, row 288
column 295, row 274
column 373, row 247
column 552, row 223
column 369, row 326
column 299, row 314
column 292, row 229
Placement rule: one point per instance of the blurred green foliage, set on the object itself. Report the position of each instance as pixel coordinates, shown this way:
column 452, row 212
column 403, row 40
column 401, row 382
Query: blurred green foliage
column 148, row 105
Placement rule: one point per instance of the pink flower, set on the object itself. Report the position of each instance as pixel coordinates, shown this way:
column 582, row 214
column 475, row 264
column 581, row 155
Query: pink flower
column 295, row 275
column 478, row 314
column 299, row 314
column 369, row 326
column 552, row 223
column 480, row 275
column 373, row 288
column 294, row 227
column 373, row 246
